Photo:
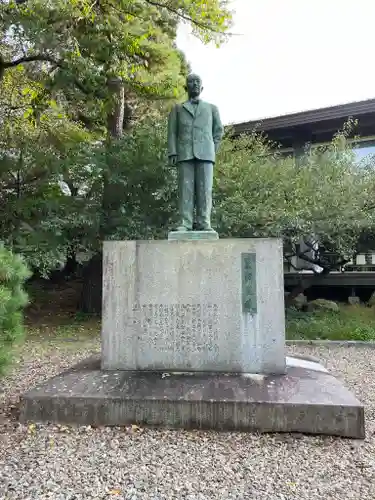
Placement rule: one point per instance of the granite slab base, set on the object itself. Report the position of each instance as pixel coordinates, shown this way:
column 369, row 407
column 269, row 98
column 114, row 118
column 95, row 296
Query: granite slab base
column 307, row 399
column 192, row 235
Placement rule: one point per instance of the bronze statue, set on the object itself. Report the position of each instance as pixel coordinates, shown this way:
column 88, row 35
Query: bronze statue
column 194, row 135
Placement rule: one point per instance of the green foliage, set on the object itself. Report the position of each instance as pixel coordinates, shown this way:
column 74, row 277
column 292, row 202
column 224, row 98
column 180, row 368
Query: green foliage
column 38, row 152
column 56, row 60
column 44, row 222
column 142, row 186
column 13, row 273
column 66, row 184
column 351, row 323
column 257, row 193
column 75, row 47
column 261, row 193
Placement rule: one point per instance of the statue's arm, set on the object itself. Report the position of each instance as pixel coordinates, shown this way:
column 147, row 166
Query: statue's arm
column 217, row 127
column 172, row 132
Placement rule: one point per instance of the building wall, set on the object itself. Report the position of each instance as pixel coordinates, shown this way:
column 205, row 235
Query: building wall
column 363, row 148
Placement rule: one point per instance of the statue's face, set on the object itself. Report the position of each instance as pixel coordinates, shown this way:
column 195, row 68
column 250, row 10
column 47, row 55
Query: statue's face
column 194, row 85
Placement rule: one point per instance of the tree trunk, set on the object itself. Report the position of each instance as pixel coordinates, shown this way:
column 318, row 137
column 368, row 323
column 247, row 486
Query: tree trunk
column 91, row 298
column 116, row 118
column 71, row 264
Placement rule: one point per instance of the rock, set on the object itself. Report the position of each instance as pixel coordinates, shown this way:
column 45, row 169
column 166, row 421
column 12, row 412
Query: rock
column 353, row 300
column 371, row 301
column 300, row 301
column 322, row 305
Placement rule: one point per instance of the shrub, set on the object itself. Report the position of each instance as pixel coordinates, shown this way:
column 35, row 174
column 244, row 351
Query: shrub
column 349, row 323
column 13, row 273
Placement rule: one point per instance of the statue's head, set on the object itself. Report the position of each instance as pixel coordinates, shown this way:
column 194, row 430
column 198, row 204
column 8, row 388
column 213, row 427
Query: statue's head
column 193, row 85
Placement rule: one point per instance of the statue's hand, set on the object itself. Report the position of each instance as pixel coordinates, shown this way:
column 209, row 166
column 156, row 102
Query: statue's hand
column 173, row 160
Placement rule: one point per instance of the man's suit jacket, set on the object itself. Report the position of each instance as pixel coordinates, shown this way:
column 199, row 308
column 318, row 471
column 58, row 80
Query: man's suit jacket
column 194, row 133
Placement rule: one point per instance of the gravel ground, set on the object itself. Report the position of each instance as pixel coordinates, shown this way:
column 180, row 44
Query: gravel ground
column 65, row 463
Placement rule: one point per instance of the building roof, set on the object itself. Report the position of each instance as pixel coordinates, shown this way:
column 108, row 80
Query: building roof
column 351, row 109
column 316, row 125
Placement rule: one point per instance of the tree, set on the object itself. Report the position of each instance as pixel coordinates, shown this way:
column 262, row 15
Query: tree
column 75, row 49
column 260, row 193
column 39, row 149
column 52, row 182
column 83, row 44
column 141, row 194
column 73, row 53
column 13, row 273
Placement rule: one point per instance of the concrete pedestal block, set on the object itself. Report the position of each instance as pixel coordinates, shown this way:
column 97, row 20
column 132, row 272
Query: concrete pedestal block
column 306, row 399
column 202, row 306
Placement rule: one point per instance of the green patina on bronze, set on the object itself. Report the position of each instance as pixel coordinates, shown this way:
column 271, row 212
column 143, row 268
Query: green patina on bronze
column 194, row 134
column 249, row 285
column 192, row 235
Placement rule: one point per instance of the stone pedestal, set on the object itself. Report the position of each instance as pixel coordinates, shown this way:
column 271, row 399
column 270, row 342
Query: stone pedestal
column 306, row 399
column 202, row 306
column 193, row 337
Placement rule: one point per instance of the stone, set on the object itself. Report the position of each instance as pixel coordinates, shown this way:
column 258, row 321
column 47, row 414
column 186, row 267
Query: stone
column 211, row 306
column 192, row 235
column 322, row 305
column 307, row 399
column 353, row 300
column 300, row 301
column 371, row 301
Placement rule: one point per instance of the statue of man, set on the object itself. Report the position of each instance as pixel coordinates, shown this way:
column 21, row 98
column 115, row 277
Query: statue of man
column 194, row 135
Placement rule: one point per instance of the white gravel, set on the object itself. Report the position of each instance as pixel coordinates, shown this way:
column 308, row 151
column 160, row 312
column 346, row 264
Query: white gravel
column 65, row 463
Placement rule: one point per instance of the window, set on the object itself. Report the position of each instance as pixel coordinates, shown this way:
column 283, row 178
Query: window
column 364, row 150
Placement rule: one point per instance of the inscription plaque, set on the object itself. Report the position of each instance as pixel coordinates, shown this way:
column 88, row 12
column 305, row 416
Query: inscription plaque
column 248, row 278
column 182, row 327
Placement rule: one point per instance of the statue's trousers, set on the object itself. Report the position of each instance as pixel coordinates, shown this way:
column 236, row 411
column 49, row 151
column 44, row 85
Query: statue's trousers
column 195, row 179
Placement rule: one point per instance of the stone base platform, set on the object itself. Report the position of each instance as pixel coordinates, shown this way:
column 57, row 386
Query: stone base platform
column 192, row 235
column 307, row 399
